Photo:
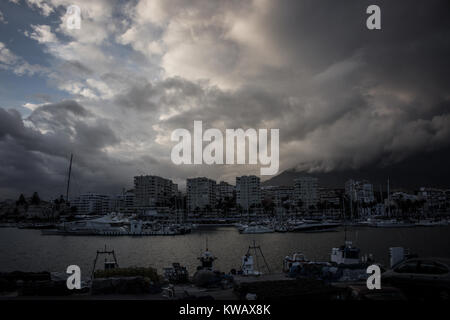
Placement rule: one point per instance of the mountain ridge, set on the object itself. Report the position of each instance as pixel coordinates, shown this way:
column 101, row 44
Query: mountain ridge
column 430, row 169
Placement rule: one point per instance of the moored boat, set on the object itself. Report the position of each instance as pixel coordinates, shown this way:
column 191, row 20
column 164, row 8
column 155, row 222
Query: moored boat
column 256, row 228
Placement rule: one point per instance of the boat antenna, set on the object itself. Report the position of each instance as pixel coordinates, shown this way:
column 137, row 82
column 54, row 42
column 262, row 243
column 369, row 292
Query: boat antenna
column 68, row 180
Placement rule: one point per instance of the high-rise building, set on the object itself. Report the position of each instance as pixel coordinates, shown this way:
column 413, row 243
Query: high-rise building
column 153, row 191
column 91, row 203
column 224, row 190
column 306, row 191
column 200, row 193
column 248, row 191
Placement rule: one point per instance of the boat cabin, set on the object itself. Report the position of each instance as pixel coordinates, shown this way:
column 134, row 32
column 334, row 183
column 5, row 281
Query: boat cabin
column 346, row 254
column 294, row 260
column 206, row 260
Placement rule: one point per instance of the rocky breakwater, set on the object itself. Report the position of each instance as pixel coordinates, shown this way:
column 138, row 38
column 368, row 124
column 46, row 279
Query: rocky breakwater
column 126, row 281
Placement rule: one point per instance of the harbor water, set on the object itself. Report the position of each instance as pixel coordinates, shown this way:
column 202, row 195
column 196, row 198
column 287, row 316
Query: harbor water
column 28, row 250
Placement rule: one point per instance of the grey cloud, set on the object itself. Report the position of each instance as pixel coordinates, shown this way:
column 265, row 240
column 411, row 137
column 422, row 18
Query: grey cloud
column 41, row 157
column 139, row 97
column 76, row 67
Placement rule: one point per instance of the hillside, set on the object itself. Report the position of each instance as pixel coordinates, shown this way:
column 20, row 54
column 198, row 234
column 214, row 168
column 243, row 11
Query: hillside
column 428, row 169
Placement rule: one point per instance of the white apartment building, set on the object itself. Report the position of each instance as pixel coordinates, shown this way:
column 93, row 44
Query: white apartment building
column 200, row 193
column 435, row 199
column 359, row 191
column 248, row 191
column 153, row 191
column 330, row 196
column 122, row 201
column 279, row 195
column 306, row 190
column 91, row 203
column 224, row 190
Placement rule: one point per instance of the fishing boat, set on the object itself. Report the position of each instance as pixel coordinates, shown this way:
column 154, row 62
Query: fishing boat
column 293, row 261
column 206, row 259
column 249, row 260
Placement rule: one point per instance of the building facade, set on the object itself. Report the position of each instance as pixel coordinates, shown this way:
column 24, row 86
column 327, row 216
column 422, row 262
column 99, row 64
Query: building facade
column 330, row 196
column 248, row 192
column 306, row 191
column 200, row 193
column 122, row 202
column 91, row 203
column 153, row 191
column 279, row 195
column 359, row 191
column 224, row 191
column 436, row 200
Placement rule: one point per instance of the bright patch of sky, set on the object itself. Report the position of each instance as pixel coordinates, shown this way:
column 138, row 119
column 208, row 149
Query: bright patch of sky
column 19, row 89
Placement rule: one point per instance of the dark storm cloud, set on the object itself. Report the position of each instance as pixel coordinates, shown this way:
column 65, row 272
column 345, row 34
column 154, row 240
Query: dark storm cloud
column 35, row 159
column 342, row 95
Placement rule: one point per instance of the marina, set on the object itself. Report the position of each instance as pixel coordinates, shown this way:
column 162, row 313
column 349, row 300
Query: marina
column 32, row 251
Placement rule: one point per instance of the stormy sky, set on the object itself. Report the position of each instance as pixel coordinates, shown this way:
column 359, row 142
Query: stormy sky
column 112, row 92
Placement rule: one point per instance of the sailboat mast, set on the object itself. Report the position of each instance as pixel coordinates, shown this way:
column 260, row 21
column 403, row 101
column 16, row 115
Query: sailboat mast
column 389, row 199
column 68, row 180
column 351, row 202
column 345, row 220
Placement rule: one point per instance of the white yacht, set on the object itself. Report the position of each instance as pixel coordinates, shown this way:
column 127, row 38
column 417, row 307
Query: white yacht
column 255, row 228
column 431, row 223
column 392, row 223
column 105, row 224
column 315, row 227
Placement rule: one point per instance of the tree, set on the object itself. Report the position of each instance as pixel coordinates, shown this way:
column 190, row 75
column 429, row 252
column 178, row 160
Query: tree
column 21, row 200
column 35, row 199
